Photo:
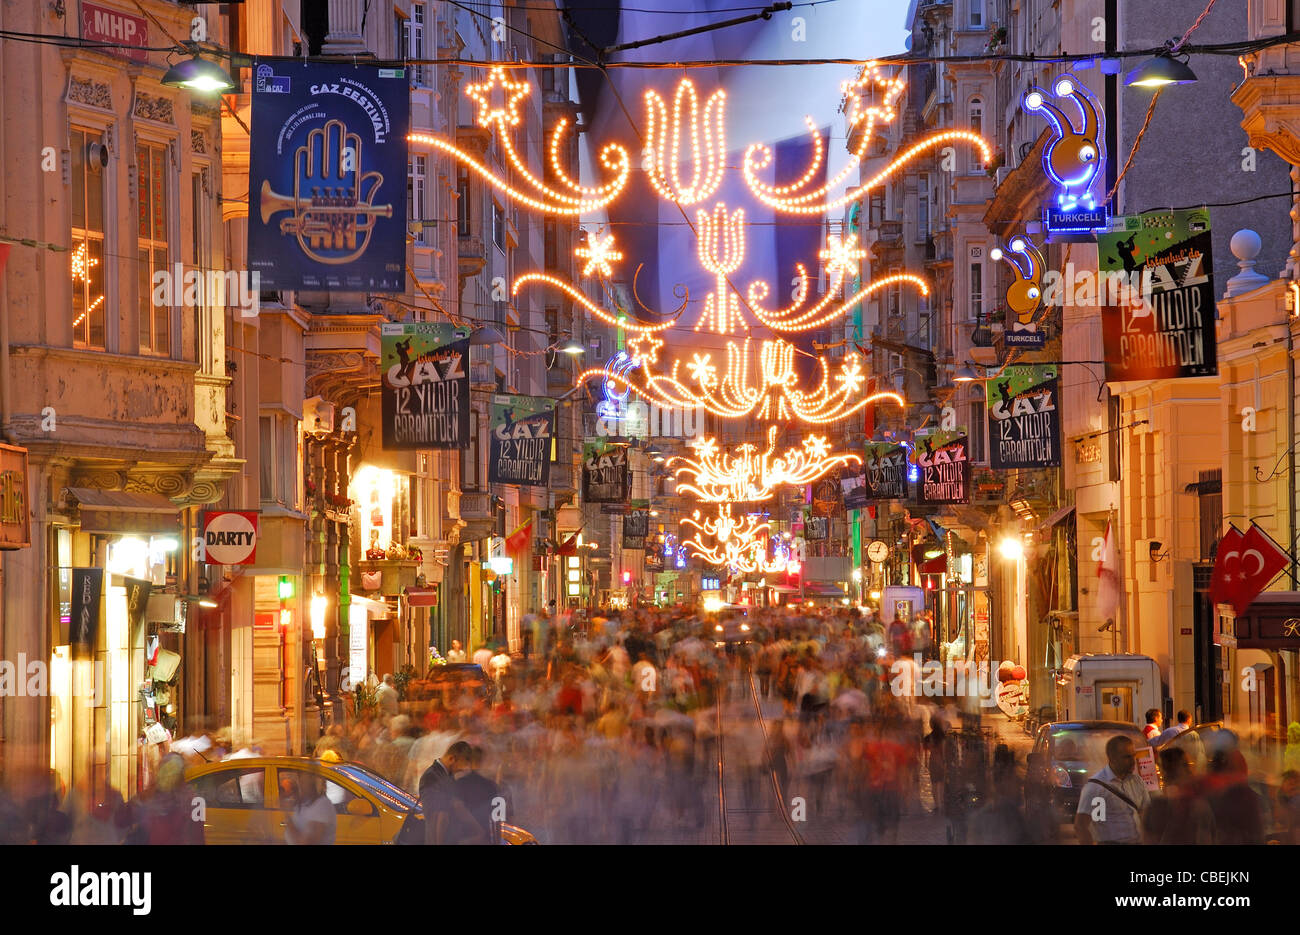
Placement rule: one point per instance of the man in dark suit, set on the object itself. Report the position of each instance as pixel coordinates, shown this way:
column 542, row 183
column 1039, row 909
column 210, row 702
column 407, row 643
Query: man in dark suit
column 446, row 819
column 481, row 796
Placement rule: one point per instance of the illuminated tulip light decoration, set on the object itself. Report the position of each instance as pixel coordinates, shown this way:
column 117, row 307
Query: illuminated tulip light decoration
column 758, row 380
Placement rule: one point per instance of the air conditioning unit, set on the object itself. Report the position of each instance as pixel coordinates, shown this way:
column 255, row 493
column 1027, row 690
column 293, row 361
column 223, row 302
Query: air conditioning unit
column 317, row 416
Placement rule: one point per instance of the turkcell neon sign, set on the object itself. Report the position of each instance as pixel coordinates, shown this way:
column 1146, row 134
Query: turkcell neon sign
column 1073, row 157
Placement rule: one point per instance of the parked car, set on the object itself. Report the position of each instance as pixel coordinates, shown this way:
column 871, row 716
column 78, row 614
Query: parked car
column 1197, row 742
column 249, row 800
column 1071, row 751
column 441, row 679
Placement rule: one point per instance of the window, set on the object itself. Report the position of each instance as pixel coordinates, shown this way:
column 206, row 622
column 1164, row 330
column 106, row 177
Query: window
column 201, row 239
column 498, row 226
column 975, row 121
column 976, row 427
column 547, row 75
column 462, row 205
column 551, row 258
column 292, row 788
column 153, row 200
column 414, row 30
column 876, row 209
column 977, row 291
column 552, row 324
column 469, row 467
column 976, row 14
column 278, row 455
column 415, row 200
column 245, row 788
column 895, row 294
column 922, row 207
column 87, row 241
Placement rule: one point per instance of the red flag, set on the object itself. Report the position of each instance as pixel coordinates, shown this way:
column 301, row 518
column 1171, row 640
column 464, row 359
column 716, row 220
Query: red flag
column 570, row 545
column 1226, row 560
column 1261, row 560
column 517, row 541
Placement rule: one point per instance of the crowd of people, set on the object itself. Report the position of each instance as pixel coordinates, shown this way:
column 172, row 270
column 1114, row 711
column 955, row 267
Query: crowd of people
column 610, row 733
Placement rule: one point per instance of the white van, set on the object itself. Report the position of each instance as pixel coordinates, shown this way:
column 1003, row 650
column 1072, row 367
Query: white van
column 1120, row 687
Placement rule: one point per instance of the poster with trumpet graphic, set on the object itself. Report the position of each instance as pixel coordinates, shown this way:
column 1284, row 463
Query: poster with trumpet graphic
column 327, row 176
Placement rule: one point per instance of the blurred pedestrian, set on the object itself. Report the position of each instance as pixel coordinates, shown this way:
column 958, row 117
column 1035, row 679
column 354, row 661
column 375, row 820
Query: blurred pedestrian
column 1154, row 721
column 482, row 797
column 456, row 653
column 1178, row 815
column 313, row 819
column 1122, row 793
column 386, row 696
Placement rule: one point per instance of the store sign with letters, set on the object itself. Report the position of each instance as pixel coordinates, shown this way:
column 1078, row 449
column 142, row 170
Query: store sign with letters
column 230, row 537
column 15, row 521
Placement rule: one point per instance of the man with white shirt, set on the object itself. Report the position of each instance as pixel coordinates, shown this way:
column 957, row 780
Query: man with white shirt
column 1116, row 795
column 1184, row 723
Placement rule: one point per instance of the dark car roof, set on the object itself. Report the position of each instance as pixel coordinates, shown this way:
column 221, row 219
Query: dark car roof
column 1093, row 725
column 457, row 668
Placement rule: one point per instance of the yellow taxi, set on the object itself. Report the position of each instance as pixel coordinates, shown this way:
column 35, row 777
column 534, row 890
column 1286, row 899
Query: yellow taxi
column 249, row 801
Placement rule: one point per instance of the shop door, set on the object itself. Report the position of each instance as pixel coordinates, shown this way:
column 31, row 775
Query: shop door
column 1115, row 701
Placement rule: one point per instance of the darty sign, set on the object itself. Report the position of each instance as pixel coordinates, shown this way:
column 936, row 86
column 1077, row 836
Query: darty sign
column 229, row 537
column 103, row 24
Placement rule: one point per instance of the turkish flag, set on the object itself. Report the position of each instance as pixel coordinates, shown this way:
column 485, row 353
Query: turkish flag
column 517, row 541
column 570, row 545
column 1226, row 561
column 1261, row 560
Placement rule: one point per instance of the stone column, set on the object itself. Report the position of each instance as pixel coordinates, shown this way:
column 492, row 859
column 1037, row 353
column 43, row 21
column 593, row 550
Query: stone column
column 344, row 37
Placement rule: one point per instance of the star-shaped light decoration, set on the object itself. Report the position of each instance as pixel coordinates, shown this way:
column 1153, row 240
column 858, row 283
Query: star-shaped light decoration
column 851, row 376
column 862, row 93
column 816, row 446
column 644, row 348
column 702, row 371
column 842, row 255
column 513, row 92
column 599, row 254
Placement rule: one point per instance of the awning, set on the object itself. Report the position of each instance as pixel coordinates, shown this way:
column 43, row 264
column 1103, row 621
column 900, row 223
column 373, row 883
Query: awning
column 1272, row 621
column 375, row 610
column 422, row 597
column 1056, row 517
column 122, row 511
column 822, row 589
column 935, row 566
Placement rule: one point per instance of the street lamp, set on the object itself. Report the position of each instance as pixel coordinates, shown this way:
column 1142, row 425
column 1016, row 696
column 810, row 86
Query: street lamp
column 569, row 346
column 197, row 74
column 1160, row 71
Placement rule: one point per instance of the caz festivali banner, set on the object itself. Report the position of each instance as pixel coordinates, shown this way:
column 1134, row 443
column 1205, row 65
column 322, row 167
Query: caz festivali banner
column 885, row 464
column 327, row 176
column 605, row 477
column 827, row 497
column 522, row 430
column 945, row 469
column 425, row 392
column 853, row 486
column 636, row 527
column 1024, row 421
column 1169, row 332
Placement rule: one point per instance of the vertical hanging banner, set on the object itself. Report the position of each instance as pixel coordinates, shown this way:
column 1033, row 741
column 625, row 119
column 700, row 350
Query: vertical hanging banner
column 327, row 176
column 1159, row 272
column 885, row 466
column 827, row 497
column 1024, row 421
column 425, row 393
column 522, row 430
column 853, row 486
column 604, row 473
column 636, row 526
column 87, row 586
column 945, row 469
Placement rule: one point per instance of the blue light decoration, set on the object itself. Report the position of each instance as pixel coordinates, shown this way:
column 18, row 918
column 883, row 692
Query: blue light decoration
column 913, row 469
column 1025, row 295
column 612, row 406
column 681, row 556
column 1073, row 157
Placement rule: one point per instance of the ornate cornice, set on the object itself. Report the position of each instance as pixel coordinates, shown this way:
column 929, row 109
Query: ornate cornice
column 89, row 92
column 155, row 108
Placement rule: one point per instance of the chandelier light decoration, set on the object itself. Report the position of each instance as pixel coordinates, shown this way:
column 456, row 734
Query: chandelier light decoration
column 727, row 542
column 752, row 475
column 685, row 161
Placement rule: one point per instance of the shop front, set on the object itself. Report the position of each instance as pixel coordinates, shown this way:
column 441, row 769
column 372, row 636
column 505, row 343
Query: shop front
column 1263, row 650
column 117, row 631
